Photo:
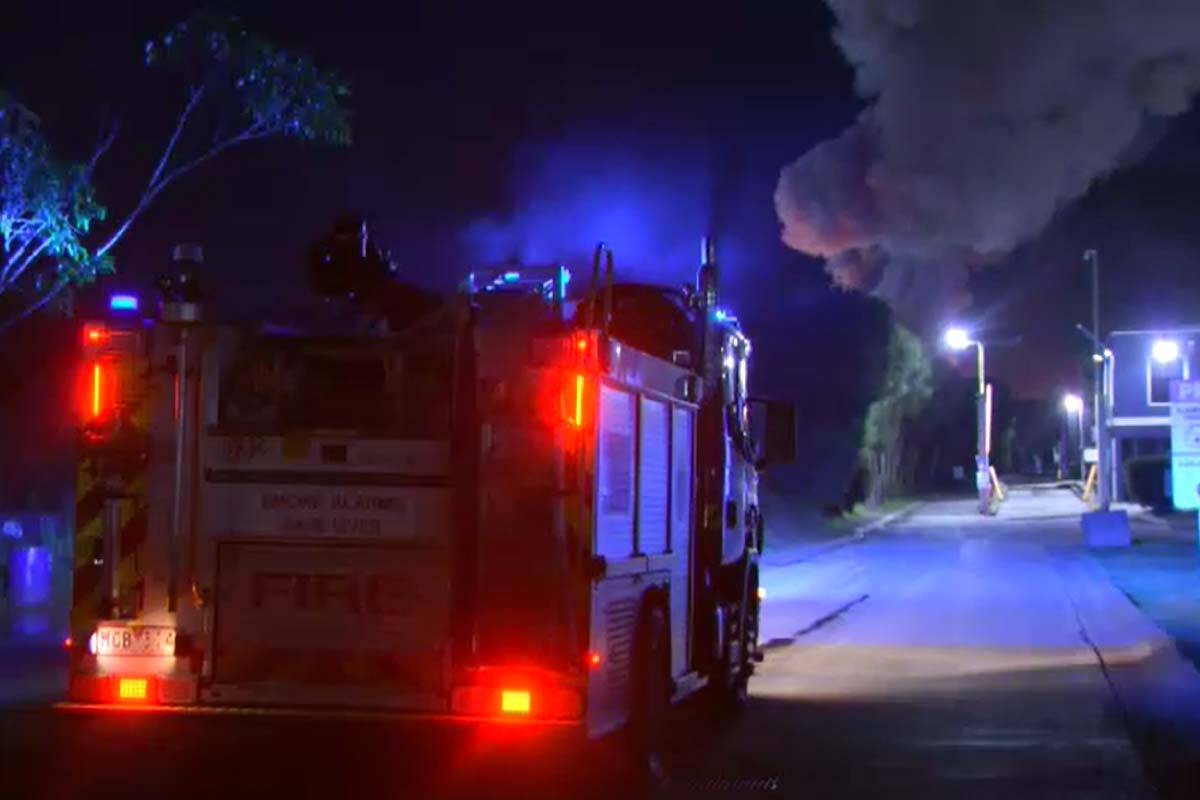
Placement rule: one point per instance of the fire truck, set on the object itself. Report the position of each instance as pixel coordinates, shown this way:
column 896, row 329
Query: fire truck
column 517, row 507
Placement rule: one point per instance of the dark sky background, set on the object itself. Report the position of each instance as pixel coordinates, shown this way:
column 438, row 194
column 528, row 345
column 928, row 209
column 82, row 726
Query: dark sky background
column 489, row 131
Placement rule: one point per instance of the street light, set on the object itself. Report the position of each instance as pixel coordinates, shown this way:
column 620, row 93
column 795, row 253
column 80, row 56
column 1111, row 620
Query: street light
column 1073, row 403
column 958, row 338
column 1101, row 396
column 1165, row 351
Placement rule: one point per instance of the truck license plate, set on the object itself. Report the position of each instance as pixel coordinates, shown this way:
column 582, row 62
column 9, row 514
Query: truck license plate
column 130, row 640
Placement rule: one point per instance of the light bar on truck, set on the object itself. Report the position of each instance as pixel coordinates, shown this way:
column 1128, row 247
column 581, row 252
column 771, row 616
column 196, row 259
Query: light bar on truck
column 123, row 302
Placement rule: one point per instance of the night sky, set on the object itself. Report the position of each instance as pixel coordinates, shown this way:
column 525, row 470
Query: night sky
column 488, row 132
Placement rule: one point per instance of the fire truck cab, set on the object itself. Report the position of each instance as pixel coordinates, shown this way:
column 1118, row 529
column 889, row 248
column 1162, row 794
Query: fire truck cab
column 517, row 507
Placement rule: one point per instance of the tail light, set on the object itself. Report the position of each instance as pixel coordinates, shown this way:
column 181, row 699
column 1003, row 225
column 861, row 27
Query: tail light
column 133, row 690
column 515, row 702
column 518, row 698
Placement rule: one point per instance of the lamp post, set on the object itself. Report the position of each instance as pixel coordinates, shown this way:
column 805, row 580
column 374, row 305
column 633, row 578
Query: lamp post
column 1102, row 397
column 1073, row 404
column 959, row 339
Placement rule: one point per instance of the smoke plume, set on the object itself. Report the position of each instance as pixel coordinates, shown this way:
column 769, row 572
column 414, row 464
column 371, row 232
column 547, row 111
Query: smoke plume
column 650, row 203
column 984, row 118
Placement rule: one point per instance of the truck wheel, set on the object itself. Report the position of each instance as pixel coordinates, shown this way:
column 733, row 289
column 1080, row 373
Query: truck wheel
column 753, row 618
column 728, row 691
column 651, row 698
column 728, row 688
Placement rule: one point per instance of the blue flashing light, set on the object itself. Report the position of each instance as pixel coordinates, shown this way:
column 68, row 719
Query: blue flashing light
column 565, row 275
column 12, row 529
column 512, row 277
column 123, row 302
column 721, row 315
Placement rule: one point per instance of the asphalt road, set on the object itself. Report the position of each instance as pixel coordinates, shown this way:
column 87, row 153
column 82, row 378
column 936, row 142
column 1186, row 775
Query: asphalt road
column 946, row 655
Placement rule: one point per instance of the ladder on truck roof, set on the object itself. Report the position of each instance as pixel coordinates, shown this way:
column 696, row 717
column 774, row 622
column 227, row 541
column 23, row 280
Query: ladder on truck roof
column 549, row 283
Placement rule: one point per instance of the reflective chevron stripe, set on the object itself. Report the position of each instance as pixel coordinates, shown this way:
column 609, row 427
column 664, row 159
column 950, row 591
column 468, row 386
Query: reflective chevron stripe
column 89, row 528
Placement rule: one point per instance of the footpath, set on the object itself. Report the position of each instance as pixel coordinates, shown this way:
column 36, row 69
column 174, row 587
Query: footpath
column 1160, row 574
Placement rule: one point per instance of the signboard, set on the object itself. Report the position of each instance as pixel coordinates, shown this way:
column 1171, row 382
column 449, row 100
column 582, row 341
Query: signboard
column 412, row 514
column 332, row 614
column 1185, row 444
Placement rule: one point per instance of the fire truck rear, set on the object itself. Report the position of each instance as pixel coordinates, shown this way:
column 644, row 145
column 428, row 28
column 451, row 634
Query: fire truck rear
column 519, row 507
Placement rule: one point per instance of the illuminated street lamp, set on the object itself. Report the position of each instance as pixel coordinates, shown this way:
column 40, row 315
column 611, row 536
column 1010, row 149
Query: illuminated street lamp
column 1165, row 351
column 1073, row 403
column 958, row 338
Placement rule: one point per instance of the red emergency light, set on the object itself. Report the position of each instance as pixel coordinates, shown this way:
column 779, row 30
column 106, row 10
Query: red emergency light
column 580, row 388
column 94, row 336
column 97, row 393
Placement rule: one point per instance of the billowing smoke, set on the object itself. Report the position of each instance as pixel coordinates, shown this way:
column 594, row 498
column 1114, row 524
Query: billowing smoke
column 985, row 117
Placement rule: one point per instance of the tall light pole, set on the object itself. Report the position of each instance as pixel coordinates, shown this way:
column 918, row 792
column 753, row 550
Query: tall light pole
column 1073, row 404
column 1103, row 454
column 958, row 339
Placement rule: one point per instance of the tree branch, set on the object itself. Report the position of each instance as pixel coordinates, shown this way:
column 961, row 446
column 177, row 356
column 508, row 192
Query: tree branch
column 15, row 269
column 102, row 147
column 249, row 134
column 193, row 100
column 15, row 255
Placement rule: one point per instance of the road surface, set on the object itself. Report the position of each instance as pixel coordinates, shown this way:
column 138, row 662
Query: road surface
column 946, row 655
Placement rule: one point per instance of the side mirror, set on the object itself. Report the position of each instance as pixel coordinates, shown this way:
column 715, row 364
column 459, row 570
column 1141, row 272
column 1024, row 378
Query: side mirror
column 779, row 433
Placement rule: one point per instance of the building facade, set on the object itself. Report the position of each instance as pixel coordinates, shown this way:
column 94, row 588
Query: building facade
column 1143, row 365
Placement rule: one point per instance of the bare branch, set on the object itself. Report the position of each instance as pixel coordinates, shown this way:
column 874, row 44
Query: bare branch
column 255, row 131
column 251, row 133
column 193, row 100
column 157, row 181
column 107, row 138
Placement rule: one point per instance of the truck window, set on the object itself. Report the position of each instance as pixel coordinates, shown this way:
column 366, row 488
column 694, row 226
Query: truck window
column 338, row 392
column 273, row 389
